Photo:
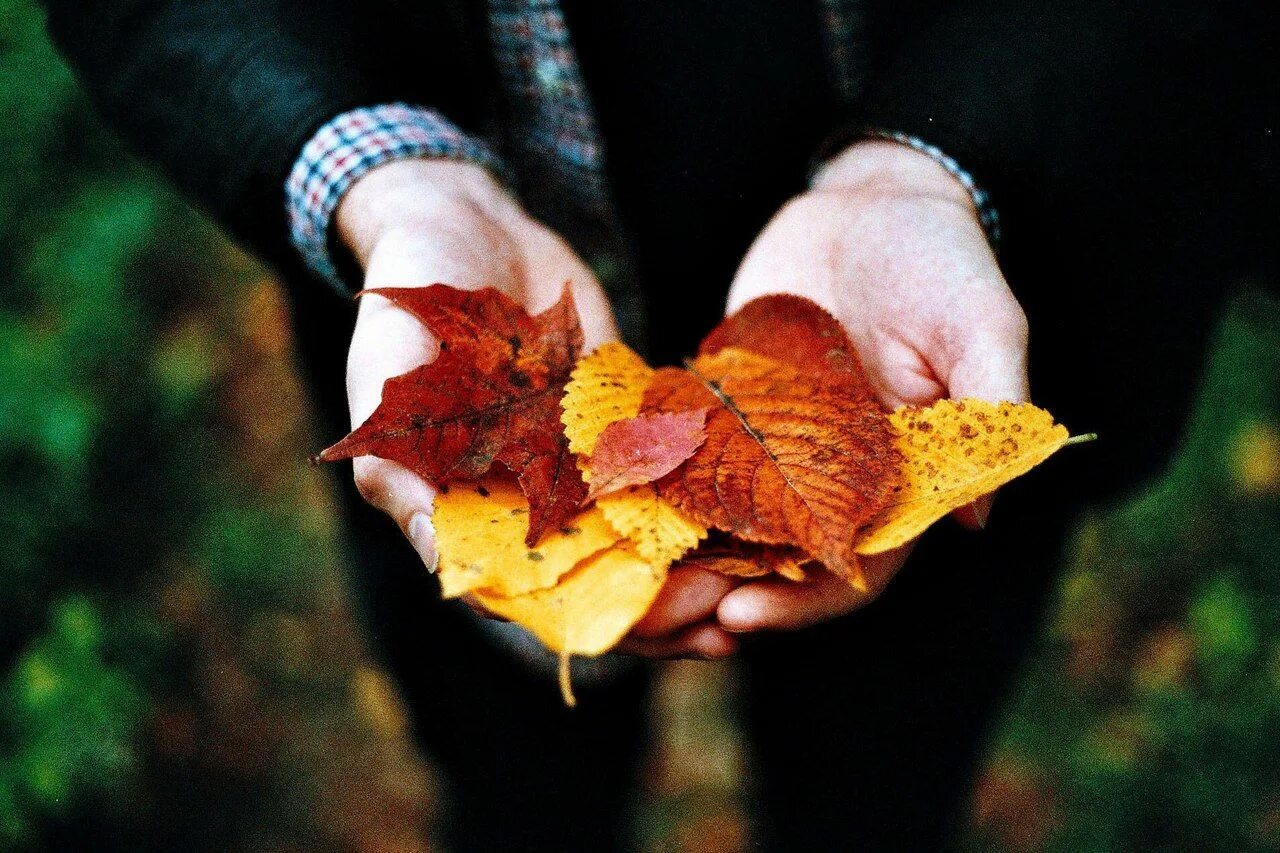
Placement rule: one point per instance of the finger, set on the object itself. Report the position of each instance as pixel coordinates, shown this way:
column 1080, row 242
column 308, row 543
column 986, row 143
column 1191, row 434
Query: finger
column 689, row 596
column 991, row 361
column 776, row 604
column 991, row 366
column 404, row 496
column 704, row 641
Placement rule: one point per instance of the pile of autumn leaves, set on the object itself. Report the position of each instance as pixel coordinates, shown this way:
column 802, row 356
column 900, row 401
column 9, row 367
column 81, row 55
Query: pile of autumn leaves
column 767, row 453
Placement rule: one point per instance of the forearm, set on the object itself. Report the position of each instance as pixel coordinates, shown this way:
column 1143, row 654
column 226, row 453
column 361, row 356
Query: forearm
column 223, row 95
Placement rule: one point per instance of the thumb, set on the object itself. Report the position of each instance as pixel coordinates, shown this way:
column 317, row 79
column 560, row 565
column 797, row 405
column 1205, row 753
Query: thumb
column 404, row 496
column 992, row 367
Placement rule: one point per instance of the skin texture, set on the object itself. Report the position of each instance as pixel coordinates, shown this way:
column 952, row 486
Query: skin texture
column 885, row 239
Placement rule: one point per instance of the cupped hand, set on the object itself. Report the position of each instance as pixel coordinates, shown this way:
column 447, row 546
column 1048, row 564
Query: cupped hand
column 889, row 242
column 413, row 223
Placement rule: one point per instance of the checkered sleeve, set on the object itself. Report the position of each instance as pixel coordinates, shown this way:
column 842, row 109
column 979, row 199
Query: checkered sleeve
column 987, row 213
column 350, row 145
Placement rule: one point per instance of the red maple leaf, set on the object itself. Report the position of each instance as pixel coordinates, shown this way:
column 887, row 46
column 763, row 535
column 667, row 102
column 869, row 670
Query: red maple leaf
column 491, row 395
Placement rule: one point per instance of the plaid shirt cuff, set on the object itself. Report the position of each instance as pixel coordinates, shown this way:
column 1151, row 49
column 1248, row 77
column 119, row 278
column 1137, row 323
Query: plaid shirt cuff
column 348, row 147
column 987, row 214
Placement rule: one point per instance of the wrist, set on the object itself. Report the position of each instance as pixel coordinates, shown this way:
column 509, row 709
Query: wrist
column 415, row 194
column 878, row 166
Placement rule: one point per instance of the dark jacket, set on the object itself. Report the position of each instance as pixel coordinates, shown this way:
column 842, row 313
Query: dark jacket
column 1034, row 97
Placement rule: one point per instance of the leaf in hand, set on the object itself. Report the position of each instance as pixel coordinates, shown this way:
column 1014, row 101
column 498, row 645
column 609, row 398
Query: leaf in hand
column 607, row 387
column 642, row 449
column 491, row 395
column 793, row 330
column 791, row 457
column 954, row 452
column 749, row 560
column 661, row 533
column 591, row 608
column 480, row 531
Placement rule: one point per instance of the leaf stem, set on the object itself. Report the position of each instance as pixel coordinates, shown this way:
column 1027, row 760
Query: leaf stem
column 1083, row 438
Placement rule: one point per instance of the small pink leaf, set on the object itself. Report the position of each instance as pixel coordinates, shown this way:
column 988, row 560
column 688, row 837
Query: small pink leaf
column 642, row 449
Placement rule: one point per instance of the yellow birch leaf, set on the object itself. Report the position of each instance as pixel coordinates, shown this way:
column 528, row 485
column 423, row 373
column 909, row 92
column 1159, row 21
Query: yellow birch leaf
column 660, row 532
column 606, row 386
column 954, row 452
column 591, row 608
column 480, row 530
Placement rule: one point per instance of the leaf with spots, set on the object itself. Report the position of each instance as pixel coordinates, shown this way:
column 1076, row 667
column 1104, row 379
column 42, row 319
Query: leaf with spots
column 480, row 538
column 660, row 532
column 954, row 452
column 491, row 395
column 606, row 386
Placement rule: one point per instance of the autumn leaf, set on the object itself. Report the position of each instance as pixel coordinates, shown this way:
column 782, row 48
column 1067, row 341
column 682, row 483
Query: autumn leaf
column 605, row 387
column 660, row 532
column 792, row 457
column 639, row 450
column 591, row 608
column 491, row 395
column 480, row 530
column 954, row 452
column 749, row 560
column 793, row 330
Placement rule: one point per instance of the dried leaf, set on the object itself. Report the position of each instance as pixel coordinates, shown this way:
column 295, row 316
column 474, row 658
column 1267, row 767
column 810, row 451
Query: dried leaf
column 591, row 608
column 954, row 452
column 790, row 329
column 639, row 450
column 480, row 538
column 750, row 560
column 792, row 457
column 660, row 532
column 491, row 395
column 605, row 387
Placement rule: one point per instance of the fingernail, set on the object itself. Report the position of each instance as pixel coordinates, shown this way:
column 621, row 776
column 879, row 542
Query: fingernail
column 982, row 511
column 422, row 535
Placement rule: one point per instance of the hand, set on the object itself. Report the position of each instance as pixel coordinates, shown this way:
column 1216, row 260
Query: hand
column 413, row 223
column 888, row 242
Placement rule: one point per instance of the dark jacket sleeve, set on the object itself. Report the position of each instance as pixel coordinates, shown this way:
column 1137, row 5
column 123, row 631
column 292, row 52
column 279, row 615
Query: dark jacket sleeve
column 1038, row 98
column 222, row 94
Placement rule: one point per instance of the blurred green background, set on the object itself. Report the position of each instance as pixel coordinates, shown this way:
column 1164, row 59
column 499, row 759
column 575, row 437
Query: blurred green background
column 179, row 669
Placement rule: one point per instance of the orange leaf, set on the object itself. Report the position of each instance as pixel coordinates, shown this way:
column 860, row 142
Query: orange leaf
column 491, row 395
column 790, row 329
column 749, row 560
column 792, row 457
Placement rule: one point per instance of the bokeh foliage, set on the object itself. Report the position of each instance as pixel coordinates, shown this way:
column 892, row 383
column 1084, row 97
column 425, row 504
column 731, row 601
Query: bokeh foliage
column 179, row 669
